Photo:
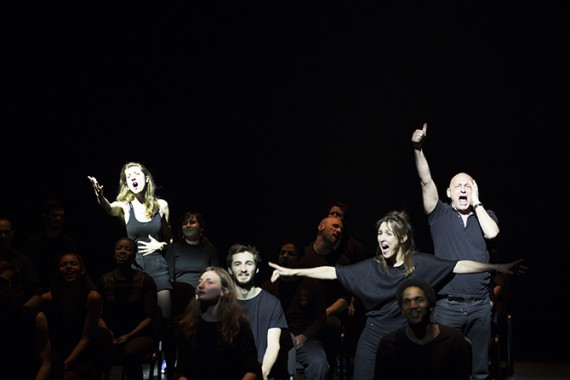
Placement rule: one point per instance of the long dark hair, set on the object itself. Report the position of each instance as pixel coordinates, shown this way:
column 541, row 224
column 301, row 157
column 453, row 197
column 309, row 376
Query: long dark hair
column 401, row 226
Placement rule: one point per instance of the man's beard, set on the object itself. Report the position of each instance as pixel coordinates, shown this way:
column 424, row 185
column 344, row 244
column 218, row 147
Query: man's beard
column 245, row 285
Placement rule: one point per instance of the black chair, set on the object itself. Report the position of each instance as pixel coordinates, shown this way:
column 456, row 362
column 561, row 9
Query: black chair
column 501, row 351
column 153, row 359
column 181, row 294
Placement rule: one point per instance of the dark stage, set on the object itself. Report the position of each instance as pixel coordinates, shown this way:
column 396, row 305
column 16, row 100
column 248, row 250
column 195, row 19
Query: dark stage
column 260, row 114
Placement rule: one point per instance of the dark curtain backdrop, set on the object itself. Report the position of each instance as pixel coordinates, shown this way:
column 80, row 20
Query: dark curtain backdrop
column 259, row 114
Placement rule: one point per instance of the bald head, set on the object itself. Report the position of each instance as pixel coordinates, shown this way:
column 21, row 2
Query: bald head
column 331, row 221
column 459, row 179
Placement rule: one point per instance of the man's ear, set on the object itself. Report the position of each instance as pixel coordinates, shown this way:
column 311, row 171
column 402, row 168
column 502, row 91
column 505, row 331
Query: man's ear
column 448, row 192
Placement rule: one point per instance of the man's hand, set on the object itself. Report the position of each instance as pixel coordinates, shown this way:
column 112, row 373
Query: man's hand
column 419, row 136
column 474, row 193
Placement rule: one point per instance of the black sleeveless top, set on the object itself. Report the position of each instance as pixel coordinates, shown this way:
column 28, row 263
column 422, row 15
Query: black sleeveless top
column 139, row 231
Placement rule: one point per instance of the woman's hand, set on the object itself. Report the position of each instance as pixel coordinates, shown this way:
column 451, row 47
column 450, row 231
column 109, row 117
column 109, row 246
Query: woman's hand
column 96, row 185
column 122, row 339
column 511, row 268
column 279, row 271
column 153, row 245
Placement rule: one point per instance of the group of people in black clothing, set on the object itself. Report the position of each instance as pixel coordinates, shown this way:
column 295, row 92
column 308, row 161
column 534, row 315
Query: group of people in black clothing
column 422, row 315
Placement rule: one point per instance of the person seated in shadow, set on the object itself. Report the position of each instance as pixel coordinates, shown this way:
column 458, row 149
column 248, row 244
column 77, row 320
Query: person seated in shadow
column 24, row 338
column 355, row 250
column 28, row 289
column 321, row 252
column 73, row 308
column 304, row 303
column 500, row 293
column 423, row 349
column 347, row 244
column 129, row 309
column 192, row 252
column 47, row 244
column 217, row 341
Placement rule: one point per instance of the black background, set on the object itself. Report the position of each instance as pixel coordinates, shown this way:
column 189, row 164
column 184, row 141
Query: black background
column 259, row 114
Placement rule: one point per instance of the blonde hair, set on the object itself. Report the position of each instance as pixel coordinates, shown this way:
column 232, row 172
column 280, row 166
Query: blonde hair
column 150, row 199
